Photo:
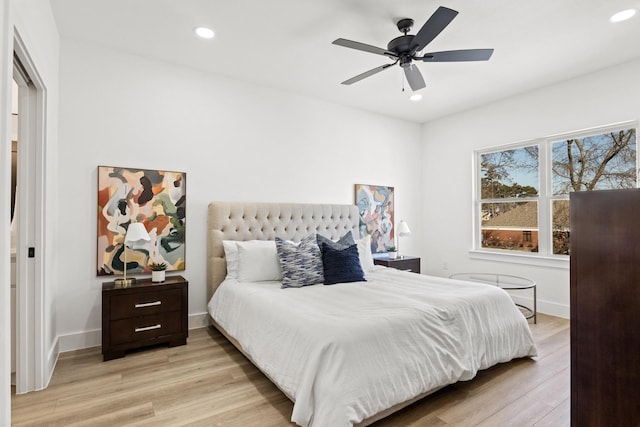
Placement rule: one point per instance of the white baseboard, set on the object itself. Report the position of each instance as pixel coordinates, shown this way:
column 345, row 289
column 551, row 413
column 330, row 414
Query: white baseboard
column 200, row 320
column 554, row 309
column 93, row 338
column 545, row 307
column 52, row 359
column 80, row 340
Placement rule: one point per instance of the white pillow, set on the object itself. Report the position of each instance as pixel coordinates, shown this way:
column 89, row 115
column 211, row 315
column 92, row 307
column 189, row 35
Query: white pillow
column 364, row 253
column 258, row 261
column 231, row 255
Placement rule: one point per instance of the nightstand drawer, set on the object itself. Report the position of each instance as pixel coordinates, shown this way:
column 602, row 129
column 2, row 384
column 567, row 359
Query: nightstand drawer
column 142, row 304
column 144, row 328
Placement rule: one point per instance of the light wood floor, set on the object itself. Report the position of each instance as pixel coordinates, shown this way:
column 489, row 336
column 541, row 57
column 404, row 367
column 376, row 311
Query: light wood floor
column 209, row 383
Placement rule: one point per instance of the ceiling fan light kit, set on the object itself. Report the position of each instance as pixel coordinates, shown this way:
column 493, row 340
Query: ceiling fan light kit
column 403, row 49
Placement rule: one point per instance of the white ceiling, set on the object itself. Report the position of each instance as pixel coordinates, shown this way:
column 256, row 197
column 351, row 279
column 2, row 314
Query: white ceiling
column 286, row 44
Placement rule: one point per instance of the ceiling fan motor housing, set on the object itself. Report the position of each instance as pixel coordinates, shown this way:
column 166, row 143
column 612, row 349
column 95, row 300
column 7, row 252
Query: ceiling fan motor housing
column 401, row 45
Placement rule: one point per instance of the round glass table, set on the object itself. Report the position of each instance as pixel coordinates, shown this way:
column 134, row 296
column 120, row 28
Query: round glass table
column 508, row 283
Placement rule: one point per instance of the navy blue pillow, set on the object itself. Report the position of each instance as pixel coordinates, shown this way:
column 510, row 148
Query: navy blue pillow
column 341, row 266
column 344, row 242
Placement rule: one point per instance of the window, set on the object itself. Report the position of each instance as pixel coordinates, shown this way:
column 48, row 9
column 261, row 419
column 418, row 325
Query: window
column 509, row 191
column 522, row 202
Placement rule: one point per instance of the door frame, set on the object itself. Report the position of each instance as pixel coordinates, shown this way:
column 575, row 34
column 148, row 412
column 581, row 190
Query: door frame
column 6, row 32
column 31, row 372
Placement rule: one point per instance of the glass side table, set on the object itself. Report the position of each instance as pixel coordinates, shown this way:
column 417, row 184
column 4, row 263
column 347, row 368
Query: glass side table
column 508, row 283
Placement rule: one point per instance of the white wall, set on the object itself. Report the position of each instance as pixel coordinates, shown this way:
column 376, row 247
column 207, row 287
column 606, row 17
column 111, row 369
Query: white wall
column 609, row 96
column 235, row 141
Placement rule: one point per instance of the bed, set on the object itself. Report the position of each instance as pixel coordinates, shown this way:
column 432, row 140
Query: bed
column 351, row 353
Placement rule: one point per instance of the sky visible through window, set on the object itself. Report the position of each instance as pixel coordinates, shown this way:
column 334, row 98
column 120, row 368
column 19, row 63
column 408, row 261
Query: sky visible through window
column 526, row 176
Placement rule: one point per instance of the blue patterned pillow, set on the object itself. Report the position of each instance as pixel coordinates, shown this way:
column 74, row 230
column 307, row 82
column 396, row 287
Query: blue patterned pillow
column 301, row 263
column 341, row 266
column 344, row 242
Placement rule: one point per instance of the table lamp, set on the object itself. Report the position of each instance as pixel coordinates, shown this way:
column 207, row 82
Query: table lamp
column 403, row 230
column 136, row 235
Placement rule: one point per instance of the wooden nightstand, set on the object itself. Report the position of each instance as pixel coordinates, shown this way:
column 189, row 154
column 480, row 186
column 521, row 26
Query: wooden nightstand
column 143, row 314
column 406, row 263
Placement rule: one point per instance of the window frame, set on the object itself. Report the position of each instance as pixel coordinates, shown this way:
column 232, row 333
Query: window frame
column 545, row 256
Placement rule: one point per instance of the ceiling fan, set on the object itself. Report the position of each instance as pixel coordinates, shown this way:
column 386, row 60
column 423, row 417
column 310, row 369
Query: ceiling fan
column 404, row 49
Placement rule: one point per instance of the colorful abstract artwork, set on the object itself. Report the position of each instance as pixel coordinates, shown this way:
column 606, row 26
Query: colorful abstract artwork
column 155, row 198
column 375, row 204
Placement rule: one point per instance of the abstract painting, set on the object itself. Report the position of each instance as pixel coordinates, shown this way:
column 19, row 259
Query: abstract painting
column 157, row 199
column 375, row 204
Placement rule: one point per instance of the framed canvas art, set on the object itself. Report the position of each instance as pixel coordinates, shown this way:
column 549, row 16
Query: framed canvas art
column 375, row 204
column 155, row 198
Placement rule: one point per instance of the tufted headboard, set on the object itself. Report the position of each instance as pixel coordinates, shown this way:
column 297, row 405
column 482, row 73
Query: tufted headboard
column 265, row 221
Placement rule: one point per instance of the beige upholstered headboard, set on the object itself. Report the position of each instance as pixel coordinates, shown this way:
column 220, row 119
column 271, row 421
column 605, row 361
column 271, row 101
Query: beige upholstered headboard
column 265, row 221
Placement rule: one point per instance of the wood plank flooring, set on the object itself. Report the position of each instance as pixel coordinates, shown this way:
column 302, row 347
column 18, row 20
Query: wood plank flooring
column 209, row 383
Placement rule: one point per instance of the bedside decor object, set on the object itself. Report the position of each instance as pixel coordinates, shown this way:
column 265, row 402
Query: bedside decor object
column 135, row 236
column 392, row 252
column 403, row 230
column 375, row 206
column 158, row 272
column 155, row 198
column 143, row 314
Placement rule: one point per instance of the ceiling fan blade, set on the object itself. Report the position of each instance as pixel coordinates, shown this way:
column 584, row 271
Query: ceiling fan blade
column 414, row 77
column 434, row 26
column 458, row 55
column 366, row 74
column 363, row 47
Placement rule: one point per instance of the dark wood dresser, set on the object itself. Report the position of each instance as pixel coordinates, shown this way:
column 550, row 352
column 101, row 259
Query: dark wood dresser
column 605, row 308
column 406, row 263
column 143, row 314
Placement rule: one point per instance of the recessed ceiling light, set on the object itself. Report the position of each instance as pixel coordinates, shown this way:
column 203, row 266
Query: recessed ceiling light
column 623, row 16
column 415, row 97
column 204, row 32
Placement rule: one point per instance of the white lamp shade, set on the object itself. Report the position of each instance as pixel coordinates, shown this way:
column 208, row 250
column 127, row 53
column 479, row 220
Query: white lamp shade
column 403, row 229
column 136, row 234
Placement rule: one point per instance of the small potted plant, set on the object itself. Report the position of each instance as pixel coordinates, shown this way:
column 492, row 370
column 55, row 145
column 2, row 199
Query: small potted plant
column 393, row 252
column 158, row 271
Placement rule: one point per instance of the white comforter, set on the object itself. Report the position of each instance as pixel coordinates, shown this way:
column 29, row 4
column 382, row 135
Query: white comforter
column 346, row 352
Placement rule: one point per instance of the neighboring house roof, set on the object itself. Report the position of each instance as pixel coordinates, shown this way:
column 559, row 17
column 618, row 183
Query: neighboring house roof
column 523, row 216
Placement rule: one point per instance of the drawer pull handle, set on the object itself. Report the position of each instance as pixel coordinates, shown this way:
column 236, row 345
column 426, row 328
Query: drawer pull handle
column 148, row 304
column 149, row 328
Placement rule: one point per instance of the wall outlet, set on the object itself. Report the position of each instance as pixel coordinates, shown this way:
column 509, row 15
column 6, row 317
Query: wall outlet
column 445, row 265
